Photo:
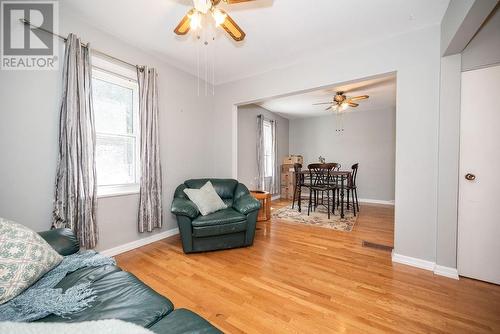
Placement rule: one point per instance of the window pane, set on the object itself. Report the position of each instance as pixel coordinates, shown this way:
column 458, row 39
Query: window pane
column 115, row 160
column 268, row 140
column 113, row 107
column 269, row 166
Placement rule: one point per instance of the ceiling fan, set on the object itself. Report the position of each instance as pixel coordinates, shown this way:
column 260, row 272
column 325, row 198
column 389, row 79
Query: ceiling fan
column 192, row 20
column 341, row 102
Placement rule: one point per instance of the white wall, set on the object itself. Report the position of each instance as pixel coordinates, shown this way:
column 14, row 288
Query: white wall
column 455, row 14
column 369, row 138
column 462, row 20
column 449, row 145
column 415, row 57
column 247, row 141
column 484, row 48
column 29, row 112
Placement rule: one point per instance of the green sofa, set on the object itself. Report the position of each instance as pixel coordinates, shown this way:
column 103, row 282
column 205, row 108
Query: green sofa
column 227, row 228
column 120, row 295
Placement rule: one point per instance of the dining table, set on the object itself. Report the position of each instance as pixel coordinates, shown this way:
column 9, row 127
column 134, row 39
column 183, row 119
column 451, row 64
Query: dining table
column 337, row 177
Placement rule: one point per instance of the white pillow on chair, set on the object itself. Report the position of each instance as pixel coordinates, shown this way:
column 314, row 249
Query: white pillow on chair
column 206, row 199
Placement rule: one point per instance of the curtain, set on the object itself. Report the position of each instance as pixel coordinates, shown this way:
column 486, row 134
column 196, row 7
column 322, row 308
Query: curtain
column 75, row 201
column 261, row 169
column 150, row 206
column 274, row 187
column 270, row 183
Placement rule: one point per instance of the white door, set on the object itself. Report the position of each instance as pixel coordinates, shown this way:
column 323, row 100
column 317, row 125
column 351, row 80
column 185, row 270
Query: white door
column 479, row 198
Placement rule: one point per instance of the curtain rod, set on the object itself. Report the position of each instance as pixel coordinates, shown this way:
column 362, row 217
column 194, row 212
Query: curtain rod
column 24, row 21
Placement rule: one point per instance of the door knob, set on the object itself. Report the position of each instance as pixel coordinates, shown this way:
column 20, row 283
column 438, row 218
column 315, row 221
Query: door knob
column 470, row 177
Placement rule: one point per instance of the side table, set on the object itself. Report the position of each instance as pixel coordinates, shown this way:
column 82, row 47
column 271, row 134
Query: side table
column 265, row 199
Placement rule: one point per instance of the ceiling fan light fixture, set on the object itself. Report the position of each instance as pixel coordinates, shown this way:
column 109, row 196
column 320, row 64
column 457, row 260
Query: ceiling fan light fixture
column 203, row 6
column 195, row 20
column 340, row 102
column 219, row 16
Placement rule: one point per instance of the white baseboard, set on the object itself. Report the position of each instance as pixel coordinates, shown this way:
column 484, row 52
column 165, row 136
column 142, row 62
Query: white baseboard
column 446, row 271
column 426, row 265
column 139, row 243
column 375, row 201
column 275, row 197
column 412, row 261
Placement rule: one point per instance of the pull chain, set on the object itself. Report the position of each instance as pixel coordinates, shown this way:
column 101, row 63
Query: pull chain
column 339, row 122
column 213, row 66
column 203, row 40
column 198, row 63
column 206, row 68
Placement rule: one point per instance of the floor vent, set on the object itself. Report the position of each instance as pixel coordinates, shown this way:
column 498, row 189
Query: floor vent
column 377, row 246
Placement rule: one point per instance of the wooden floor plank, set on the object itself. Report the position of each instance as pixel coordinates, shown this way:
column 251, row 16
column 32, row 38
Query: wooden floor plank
column 306, row 279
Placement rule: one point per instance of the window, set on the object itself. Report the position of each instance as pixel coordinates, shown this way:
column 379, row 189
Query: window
column 116, row 109
column 268, row 149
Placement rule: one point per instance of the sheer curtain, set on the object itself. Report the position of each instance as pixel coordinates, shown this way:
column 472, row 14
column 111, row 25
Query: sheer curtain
column 267, row 155
column 261, row 167
column 274, row 186
column 150, row 206
column 75, row 201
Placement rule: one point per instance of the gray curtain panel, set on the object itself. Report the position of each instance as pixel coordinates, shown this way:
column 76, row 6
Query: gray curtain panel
column 150, row 206
column 260, row 153
column 75, row 202
column 274, row 188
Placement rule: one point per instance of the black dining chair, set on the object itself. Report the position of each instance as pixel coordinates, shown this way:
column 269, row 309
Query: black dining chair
column 335, row 180
column 322, row 181
column 298, row 184
column 351, row 188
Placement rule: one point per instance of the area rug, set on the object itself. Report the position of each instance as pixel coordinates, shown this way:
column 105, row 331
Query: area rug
column 317, row 218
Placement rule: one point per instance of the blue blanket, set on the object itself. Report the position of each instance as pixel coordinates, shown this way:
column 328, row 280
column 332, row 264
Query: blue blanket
column 42, row 298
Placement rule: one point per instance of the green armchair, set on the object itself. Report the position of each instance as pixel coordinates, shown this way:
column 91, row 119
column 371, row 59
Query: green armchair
column 228, row 228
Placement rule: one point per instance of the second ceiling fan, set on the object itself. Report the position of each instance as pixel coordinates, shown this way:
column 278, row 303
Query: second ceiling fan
column 192, row 20
column 341, row 102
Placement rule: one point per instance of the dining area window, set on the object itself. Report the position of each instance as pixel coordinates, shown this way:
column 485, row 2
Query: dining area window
column 268, row 149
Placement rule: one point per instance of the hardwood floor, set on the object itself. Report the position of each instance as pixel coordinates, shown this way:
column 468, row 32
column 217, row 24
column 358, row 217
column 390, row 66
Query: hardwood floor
column 303, row 279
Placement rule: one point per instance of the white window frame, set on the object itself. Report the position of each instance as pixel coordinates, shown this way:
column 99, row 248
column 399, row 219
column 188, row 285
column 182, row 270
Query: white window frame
column 108, row 71
column 268, row 127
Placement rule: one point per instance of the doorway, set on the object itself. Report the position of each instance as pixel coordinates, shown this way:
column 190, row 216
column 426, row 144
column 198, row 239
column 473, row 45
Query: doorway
column 364, row 134
column 479, row 180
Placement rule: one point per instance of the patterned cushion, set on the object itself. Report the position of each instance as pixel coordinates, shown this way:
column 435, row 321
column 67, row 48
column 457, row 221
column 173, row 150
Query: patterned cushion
column 24, row 258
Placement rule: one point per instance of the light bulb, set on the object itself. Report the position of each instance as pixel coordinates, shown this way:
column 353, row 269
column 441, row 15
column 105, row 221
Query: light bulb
column 203, row 6
column 195, row 20
column 219, row 16
column 344, row 106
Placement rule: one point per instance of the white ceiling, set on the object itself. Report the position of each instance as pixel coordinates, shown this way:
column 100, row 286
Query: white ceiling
column 279, row 32
column 381, row 92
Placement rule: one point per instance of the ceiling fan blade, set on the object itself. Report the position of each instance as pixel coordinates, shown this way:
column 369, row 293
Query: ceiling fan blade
column 232, row 28
column 330, row 107
column 361, row 97
column 184, row 26
column 317, row 104
column 352, row 104
column 231, row 2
